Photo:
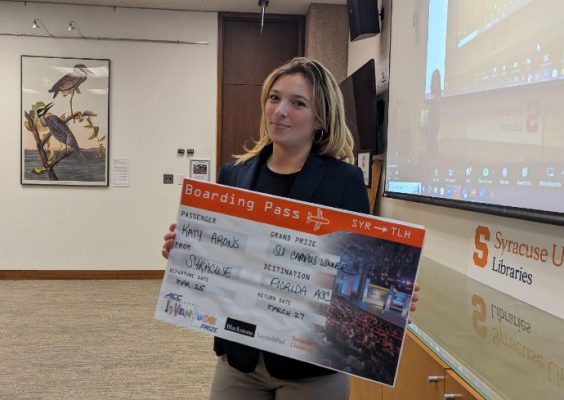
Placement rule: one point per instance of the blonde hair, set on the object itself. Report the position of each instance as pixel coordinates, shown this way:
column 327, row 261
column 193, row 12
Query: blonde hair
column 327, row 104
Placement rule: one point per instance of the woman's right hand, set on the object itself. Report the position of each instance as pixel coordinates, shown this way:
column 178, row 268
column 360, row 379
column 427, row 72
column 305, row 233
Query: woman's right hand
column 169, row 240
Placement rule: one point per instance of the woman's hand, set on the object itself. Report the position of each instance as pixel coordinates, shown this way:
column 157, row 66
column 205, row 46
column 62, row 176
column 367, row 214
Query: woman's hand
column 414, row 299
column 169, row 241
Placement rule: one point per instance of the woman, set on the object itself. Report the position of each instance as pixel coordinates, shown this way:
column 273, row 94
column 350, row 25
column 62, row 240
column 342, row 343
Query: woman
column 304, row 153
column 431, row 130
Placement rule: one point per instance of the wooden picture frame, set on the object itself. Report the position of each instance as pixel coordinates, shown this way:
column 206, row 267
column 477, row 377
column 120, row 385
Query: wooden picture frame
column 65, row 110
column 364, row 162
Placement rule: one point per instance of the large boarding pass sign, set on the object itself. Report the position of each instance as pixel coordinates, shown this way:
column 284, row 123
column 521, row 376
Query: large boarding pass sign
column 317, row 284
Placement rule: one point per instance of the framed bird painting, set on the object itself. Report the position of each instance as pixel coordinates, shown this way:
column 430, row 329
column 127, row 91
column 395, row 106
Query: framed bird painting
column 65, row 121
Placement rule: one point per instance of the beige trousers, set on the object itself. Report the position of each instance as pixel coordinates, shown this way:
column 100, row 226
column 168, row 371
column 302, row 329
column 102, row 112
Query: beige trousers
column 232, row 384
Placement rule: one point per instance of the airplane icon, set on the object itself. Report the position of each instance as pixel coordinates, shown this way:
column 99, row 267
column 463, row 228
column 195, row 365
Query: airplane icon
column 318, row 219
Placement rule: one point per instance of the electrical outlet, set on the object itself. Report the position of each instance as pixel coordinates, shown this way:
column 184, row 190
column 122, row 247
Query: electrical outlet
column 168, row 178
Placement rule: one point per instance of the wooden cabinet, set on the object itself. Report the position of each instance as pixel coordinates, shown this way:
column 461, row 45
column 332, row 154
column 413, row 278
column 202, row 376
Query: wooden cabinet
column 456, row 388
column 417, row 364
column 422, row 376
column 365, row 390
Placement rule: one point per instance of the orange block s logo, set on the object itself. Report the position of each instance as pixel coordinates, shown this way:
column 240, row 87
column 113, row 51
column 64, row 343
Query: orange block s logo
column 479, row 315
column 480, row 256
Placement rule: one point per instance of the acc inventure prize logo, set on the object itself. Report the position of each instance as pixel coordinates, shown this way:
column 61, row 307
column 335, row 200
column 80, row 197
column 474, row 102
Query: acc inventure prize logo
column 512, row 256
column 175, row 307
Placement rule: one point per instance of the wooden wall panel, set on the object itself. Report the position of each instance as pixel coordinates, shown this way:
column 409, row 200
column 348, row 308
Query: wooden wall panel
column 239, row 123
column 246, row 57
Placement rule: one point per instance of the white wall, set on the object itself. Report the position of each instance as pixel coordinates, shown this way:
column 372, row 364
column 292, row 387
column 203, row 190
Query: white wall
column 450, row 232
column 162, row 97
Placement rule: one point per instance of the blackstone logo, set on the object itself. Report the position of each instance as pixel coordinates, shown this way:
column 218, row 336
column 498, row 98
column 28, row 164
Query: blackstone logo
column 240, row 327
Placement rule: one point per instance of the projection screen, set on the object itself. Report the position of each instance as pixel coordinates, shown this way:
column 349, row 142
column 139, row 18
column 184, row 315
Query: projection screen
column 476, row 115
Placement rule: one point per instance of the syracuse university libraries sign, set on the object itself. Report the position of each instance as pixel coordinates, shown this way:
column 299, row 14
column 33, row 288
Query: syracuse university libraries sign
column 524, row 265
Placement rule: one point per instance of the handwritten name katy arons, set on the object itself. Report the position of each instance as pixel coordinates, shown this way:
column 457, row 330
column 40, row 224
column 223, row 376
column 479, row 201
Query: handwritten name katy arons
column 516, row 248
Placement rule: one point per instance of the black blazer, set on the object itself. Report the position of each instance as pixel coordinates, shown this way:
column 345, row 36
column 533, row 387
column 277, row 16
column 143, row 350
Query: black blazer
column 322, row 180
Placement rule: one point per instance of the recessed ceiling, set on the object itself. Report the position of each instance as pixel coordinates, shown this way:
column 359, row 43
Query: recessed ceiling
column 247, row 6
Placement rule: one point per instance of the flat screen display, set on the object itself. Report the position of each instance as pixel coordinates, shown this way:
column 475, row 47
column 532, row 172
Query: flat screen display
column 477, row 106
column 359, row 94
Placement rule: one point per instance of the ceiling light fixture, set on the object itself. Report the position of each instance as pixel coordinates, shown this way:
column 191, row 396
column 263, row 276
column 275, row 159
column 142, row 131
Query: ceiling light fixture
column 73, row 26
column 38, row 23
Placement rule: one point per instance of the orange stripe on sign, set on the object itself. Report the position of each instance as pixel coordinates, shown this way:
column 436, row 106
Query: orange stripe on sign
column 293, row 214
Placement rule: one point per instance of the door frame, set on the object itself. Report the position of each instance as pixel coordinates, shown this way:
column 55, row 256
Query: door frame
column 226, row 16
